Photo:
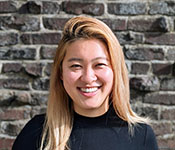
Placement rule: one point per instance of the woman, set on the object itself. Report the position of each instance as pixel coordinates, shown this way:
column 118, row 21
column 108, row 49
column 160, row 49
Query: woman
column 88, row 106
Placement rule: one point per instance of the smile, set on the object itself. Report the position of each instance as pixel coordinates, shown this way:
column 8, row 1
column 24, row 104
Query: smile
column 89, row 90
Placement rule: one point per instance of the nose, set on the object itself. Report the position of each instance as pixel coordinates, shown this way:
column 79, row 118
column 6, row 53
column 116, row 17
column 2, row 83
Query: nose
column 88, row 75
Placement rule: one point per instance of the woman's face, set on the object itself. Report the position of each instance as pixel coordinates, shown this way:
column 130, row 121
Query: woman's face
column 87, row 76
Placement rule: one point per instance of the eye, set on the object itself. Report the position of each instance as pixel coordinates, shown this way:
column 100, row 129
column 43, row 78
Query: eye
column 76, row 66
column 100, row 65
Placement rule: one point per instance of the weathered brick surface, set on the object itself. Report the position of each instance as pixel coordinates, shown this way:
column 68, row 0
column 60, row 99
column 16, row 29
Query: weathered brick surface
column 148, row 24
column 34, row 69
column 21, row 23
column 41, row 84
column 145, row 83
column 8, row 7
column 30, row 31
column 116, row 24
column 19, row 83
column 144, row 53
column 160, row 98
column 140, row 68
column 42, row 38
column 50, row 8
column 159, row 38
column 8, row 39
column 162, row 128
column 164, row 7
column 54, row 23
column 30, row 7
column 88, row 8
column 129, row 37
column 17, row 53
column 47, row 52
column 167, row 84
column 134, row 8
column 11, row 67
column 14, row 114
column 6, row 143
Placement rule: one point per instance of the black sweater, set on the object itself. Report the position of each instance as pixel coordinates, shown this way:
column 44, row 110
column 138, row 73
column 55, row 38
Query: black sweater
column 106, row 132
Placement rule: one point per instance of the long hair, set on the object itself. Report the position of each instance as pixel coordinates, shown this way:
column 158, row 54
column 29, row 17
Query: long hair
column 59, row 116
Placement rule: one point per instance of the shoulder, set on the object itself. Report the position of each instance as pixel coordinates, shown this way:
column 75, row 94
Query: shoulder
column 149, row 138
column 30, row 135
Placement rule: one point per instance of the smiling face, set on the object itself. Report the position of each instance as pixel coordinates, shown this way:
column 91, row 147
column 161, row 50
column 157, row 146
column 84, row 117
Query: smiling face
column 87, row 76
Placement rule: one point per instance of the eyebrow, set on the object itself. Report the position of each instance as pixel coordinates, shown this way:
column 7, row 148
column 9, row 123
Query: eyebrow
column 81, row 60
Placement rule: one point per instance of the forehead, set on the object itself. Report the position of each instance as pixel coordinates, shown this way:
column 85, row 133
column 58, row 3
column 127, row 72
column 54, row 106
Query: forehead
column 86, row 48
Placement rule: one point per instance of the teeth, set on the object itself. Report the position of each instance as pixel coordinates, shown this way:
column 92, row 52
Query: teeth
column 89, row 90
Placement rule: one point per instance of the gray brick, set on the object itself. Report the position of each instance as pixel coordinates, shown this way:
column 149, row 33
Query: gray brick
column 8, row 39
column 50, row 8
column 78, row 8
column 134, row 8
column 17, row 53
column 41, row 38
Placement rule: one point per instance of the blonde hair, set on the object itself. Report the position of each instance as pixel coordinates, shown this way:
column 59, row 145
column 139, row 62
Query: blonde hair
column 59, row 117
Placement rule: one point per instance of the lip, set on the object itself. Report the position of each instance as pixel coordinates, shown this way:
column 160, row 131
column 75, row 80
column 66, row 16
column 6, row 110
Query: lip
column 89, row 93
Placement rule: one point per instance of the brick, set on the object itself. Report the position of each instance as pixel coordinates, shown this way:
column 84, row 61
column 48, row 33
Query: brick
column 39, row 98
column 79, row 8
column 38, row 110
column 34, row 69
column 170, row 55
column 144, row 53
column 11, row 67
column 140, row 68
column 116, row 24
column 136, row 96
column 31, row 7
column 50, row 8
column 129, row 38
column 41, row 38
column 15, row 53
column 147, row 111
column 167, row 84
column 162, row 128
column 167, row 114
column 20, row 83
column 47, row 52
column 149, row 24
column 166, row 143
column 6, row 143
column 160, row 98
column 21, row 23
column 41, row 84
column 164, row 8
column 7, row 39
column 21, row 98
column 134, row 8
column 145, row 83
column 6, row 97
column 7, row 7
column 161, row 39
column 48, row 69
column 11, row 128
column 162, row 69
column 54, row 23
column 15, row 114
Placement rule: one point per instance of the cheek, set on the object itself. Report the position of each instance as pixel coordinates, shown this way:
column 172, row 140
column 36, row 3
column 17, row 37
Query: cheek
column 69, row 77
column 106, row 76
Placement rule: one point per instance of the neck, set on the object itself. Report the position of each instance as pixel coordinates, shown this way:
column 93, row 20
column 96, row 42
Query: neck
column 93, row 112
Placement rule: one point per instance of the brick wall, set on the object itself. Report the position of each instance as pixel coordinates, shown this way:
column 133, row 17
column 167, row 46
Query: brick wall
column 30, row 31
